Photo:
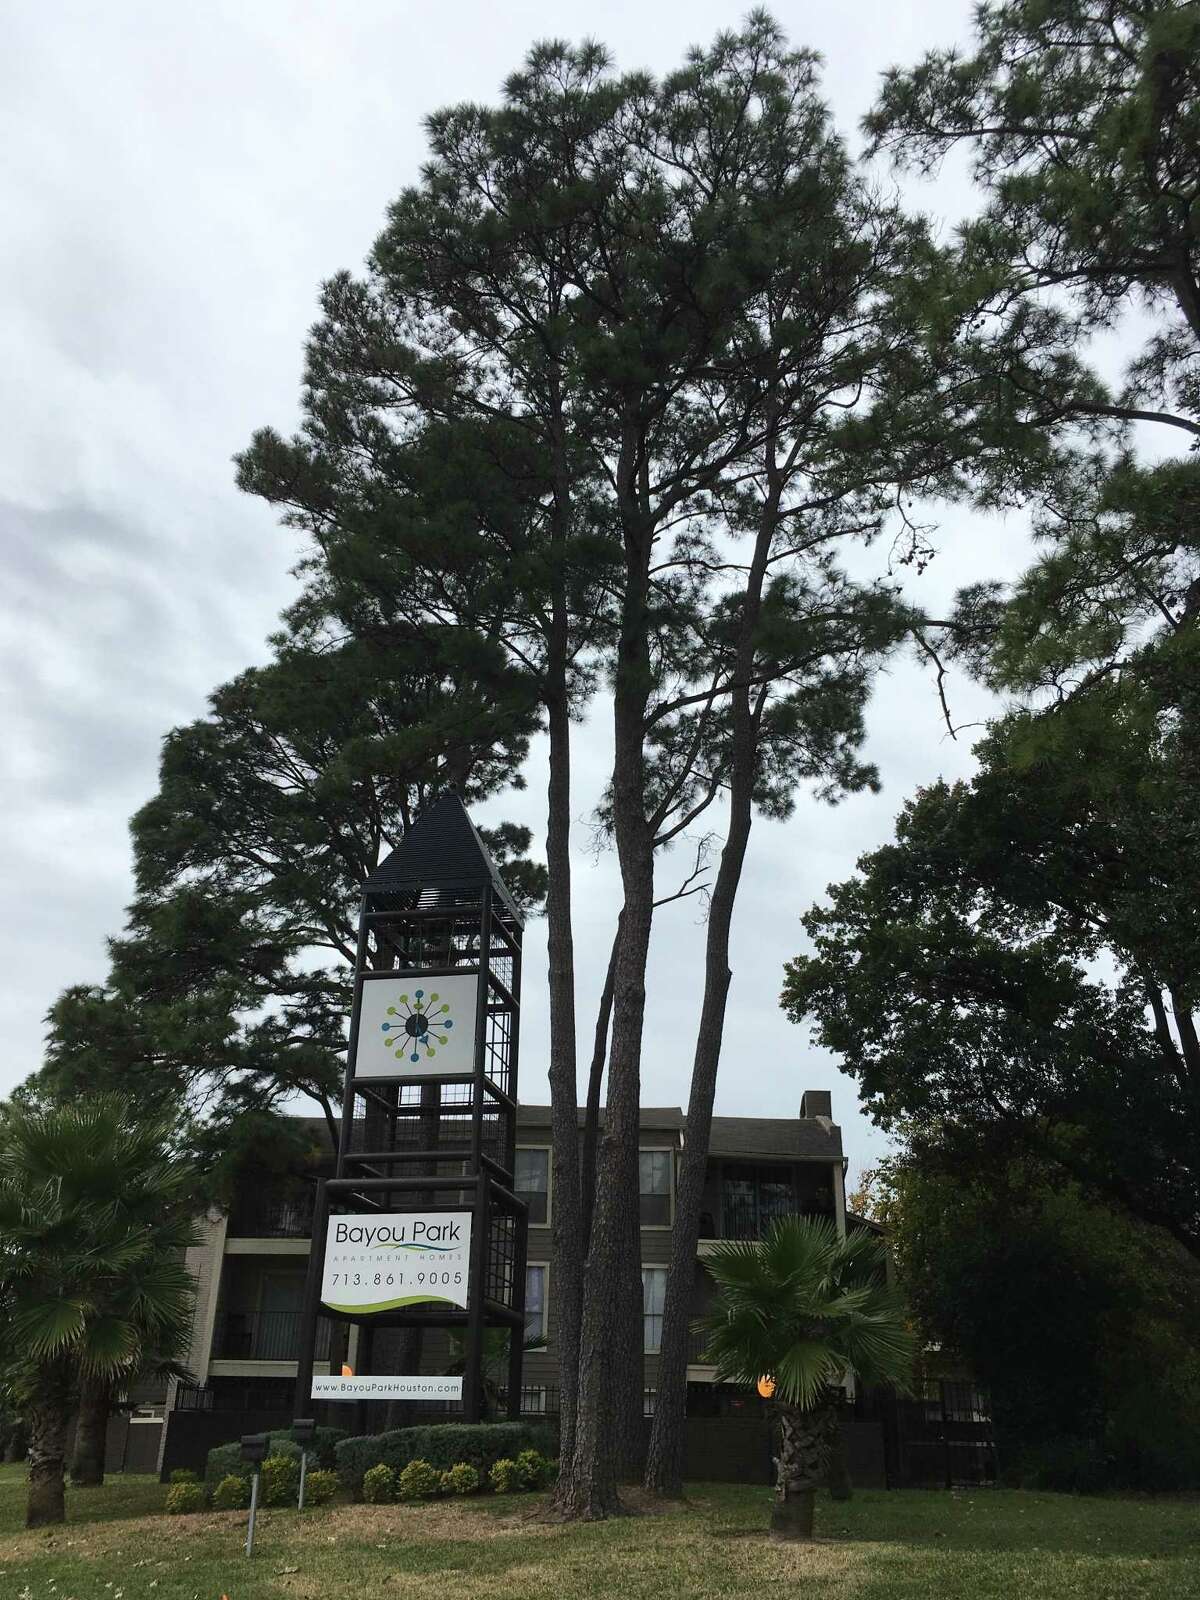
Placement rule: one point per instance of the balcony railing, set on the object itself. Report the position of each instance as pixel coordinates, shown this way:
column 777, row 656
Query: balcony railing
column 698, row 1350
column 737, row 1214
column 273, row 1216
column 264, row 1336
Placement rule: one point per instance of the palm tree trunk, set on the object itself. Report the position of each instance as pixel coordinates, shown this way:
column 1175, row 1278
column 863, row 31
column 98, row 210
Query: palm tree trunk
column 91, row 1432
column 800, row 1469
column 48, row 1416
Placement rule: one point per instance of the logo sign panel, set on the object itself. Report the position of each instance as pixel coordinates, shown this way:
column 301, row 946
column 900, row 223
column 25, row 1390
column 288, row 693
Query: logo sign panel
column 386, row 1387
column 416, row 1025
column 381, row 1262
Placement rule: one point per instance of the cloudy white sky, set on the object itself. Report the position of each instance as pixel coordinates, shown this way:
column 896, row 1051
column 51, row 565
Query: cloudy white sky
column 176, row 181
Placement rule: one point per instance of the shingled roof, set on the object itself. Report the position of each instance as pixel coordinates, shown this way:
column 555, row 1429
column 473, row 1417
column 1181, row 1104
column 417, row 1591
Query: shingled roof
column 800, row 1138
column 441, row 851
column 781, row 1138
column 529, row 1116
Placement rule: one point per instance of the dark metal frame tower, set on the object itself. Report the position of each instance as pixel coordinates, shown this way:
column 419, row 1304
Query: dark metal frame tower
column 415, row 1137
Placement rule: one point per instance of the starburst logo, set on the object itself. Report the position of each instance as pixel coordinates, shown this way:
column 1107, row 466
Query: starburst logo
column 419, row 1025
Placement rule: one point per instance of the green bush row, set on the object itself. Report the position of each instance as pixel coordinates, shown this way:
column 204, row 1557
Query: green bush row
column 280, row 1483
column 442, row 1446
column 420, row 1480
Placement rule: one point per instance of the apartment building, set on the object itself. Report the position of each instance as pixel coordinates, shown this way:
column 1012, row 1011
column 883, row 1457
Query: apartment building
column 250, row 1265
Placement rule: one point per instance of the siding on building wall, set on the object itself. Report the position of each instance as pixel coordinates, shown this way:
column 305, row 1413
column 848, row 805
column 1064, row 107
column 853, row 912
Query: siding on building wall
column 230, row 1272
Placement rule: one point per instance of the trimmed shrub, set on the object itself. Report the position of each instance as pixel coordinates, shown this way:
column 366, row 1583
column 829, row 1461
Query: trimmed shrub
column 461, row 1478
column 183, row 1498
column 504, row 1477
column 232, row 1494
column 280, row 1480
column 379, row 1485
column 320, row 1486
column 224, row 1459
column 534, row 1470
column 442, row 1445
column 184, row 1475
column 419, row 1481
column 320, row 1447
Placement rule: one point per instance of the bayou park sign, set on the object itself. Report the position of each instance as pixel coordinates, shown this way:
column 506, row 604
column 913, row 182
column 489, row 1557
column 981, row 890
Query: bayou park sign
column 384, row 1387
column 381, row 1261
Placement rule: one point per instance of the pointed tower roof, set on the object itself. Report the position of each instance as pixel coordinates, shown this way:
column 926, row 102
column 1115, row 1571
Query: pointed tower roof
column 441, row 851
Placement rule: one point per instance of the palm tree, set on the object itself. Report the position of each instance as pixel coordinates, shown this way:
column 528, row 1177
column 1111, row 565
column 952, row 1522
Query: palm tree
column 95, row 1216
column 806, row 1309
column 496, row 1343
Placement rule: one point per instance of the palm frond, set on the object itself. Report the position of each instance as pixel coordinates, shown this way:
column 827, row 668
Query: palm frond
column 808, row 1307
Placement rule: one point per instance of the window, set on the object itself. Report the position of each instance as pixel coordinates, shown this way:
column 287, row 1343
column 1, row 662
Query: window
column 535, row 1302
column 532, row 1183
column 654, row 1205
column 654, row 1294
column 754, row 1196
column 649, row 1401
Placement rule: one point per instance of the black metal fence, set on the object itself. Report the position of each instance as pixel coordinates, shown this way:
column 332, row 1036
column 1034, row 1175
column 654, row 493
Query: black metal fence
column 944, row 1440
column 270, row 1214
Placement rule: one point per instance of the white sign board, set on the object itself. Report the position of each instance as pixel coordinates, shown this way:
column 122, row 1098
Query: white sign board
column 386, row 1387
column 382, row 1261
column 416, row 1026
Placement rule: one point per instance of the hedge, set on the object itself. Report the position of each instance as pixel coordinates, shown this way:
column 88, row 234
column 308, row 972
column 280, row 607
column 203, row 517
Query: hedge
column 322, row 1445
column 226, row 1458
column 443, row 1445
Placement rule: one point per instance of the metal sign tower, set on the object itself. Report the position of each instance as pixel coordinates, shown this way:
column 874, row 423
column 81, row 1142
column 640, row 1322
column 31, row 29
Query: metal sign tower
column 419, row 1224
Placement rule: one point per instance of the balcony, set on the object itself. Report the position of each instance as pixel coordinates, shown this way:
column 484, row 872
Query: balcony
column 270, row 1215
column 264, row 1336
column 745, row 1198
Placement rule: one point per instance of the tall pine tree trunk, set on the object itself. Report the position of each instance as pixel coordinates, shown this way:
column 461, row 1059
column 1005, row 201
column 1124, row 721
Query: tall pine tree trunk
column 91, row 1432
column 664, row 1461
column 48, row 1416
column 591, row 1115
column 588, row 1485
column 567, row 1253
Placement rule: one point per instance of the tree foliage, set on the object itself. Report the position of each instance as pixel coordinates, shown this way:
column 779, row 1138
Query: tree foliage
column 1018, row 969
column 94, row 1218
column 1077, row 1321
column 230, row 986
column 1081, row 119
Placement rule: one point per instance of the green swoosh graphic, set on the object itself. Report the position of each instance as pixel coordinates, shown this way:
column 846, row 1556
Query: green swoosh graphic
column 391, row 1305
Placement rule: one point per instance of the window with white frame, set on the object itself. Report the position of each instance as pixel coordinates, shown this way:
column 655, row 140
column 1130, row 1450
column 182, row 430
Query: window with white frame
column 654, row 1295
column 535, row 1302
column 654, row 1199
column 532, row 1183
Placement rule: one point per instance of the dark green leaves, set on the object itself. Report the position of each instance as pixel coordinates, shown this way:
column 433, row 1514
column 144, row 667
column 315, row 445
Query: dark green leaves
column 807, row 1308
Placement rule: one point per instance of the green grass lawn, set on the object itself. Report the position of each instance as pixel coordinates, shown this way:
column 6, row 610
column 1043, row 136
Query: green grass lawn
column 881, row 1546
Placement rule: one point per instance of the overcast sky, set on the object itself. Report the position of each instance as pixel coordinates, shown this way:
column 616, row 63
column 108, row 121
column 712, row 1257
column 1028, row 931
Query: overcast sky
column 176, row 183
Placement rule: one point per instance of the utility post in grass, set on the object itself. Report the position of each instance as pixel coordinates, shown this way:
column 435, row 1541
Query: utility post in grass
column 254, row 1450
column 419, row 1226
column 303, row 1429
